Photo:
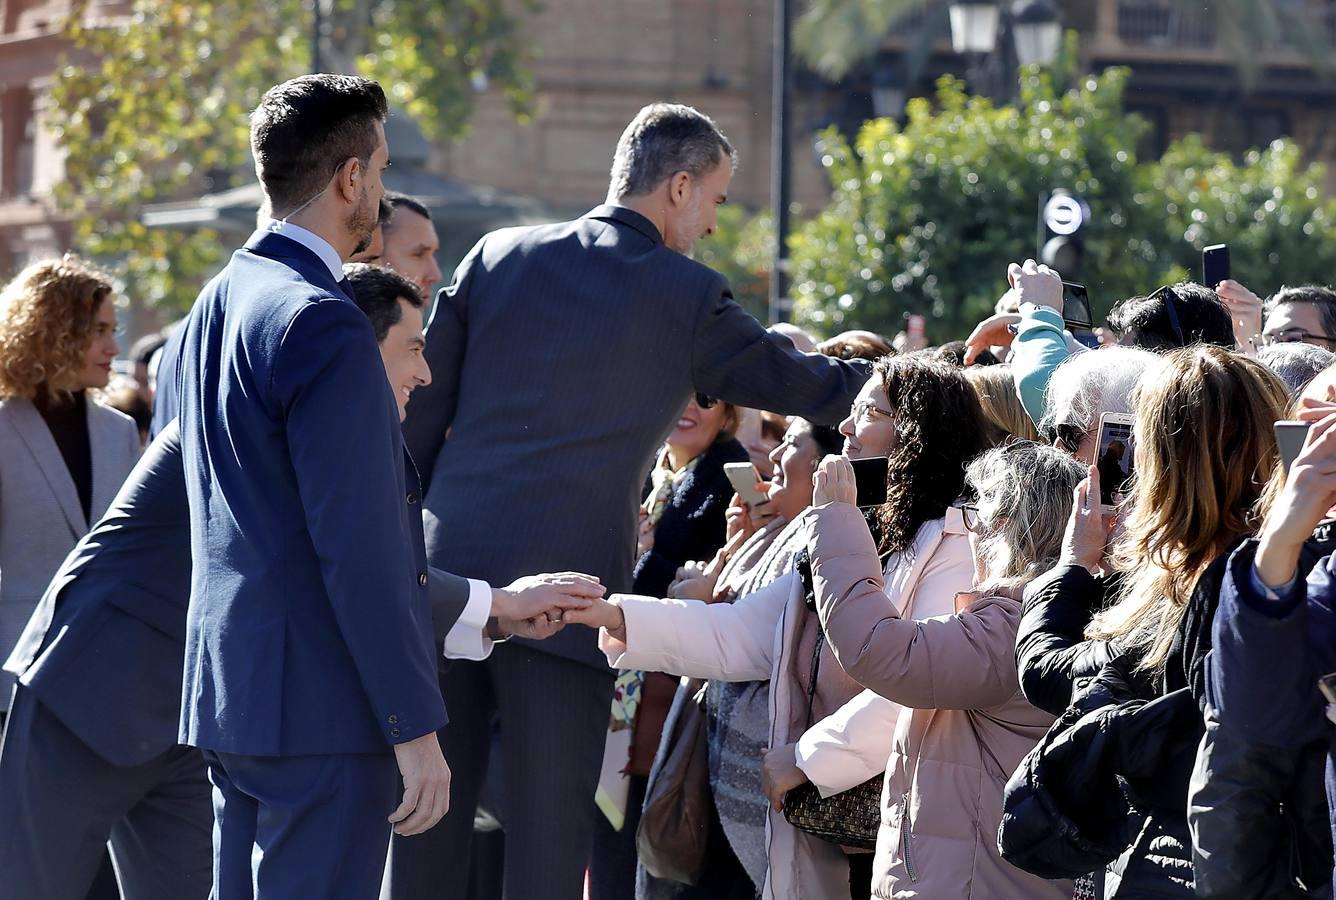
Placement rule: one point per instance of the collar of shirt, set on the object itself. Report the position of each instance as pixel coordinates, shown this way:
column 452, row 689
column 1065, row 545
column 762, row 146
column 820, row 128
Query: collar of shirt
column 311, row 241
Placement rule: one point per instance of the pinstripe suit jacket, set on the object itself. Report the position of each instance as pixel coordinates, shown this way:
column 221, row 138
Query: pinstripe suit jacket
column 561, row 356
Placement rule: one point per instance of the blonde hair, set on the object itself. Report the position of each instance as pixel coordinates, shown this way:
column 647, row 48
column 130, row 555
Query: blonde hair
column 1204, row 455
column 47, row 315
column 1001, row 404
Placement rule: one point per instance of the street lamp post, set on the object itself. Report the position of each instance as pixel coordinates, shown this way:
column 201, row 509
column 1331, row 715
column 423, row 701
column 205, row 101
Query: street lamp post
column 779, row 140
column 984, row 31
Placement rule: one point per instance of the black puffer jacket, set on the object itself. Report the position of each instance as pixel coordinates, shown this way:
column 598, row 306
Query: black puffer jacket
column 1053, row 657
column 1111, row 779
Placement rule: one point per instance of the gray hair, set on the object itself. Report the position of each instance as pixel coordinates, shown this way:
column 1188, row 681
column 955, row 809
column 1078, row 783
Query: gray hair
column 1295, row 363
column 1095, row 382
column 1024, row 492
column 662, row 140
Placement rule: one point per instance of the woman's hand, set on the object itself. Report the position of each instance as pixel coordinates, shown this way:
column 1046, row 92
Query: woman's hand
column 995, row 331
column 780, row 774
column 1037, row 284
column 694, row 582
column 1310, row 491
column 1087, row 535
column 834, row 482
column 600, row 614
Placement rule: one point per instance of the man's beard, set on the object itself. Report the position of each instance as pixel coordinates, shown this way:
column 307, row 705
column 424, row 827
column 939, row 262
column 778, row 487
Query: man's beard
column 362, row 220
column 688, row 231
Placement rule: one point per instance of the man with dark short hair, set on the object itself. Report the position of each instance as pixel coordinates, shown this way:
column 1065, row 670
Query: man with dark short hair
column 561, row 357
column 1306, row 314
column 411, row 242
column 310, row 675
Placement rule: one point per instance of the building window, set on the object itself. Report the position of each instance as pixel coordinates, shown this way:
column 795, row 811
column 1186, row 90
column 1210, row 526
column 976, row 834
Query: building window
column 18, row 141
column 1251, row 128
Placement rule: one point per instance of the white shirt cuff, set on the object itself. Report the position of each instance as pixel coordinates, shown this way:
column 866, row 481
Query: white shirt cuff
column 466, row 640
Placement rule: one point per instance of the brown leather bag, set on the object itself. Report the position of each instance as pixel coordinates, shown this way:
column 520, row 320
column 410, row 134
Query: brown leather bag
column 674, row 825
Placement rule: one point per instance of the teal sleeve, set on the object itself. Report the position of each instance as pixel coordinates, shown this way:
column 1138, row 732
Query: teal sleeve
column 1039, row 348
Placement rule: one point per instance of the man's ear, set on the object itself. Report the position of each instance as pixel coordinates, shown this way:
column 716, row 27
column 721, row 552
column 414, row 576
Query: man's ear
column 348, row 178
column 679, row 188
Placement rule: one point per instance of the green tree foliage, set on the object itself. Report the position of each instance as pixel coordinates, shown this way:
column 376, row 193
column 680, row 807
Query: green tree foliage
column 925, row 218
column 155, row 107
column 740, row 250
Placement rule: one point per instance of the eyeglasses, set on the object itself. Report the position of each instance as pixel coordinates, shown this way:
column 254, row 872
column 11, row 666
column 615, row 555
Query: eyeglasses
column 868, row 411
column 1171, row 301
column 970, row 512
column 1296, row 336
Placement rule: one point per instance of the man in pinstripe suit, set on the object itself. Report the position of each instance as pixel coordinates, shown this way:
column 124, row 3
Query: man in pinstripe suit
column 562, row 355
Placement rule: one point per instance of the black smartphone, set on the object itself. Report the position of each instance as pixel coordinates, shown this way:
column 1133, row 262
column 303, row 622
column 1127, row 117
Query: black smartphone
column 1076, row 307
column 1114, row 457
column 1214, row 265
column 870, row 479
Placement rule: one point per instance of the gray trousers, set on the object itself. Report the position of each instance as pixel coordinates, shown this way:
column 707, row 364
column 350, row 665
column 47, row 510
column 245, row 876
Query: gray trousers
column 553, row 716
column 61, row 804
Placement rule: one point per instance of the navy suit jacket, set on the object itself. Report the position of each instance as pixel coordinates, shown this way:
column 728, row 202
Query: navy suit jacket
column 103, row 650
column 561, row 356
column 309, row 628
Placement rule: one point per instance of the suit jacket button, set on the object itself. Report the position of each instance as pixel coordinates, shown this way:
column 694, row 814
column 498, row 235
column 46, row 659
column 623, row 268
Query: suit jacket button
column 412, row 497
column 422, row 579
column 394, row 732
column 393, row 720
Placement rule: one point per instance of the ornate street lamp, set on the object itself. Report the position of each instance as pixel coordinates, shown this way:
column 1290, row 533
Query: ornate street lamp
column 1034, row 23
column 974, row 27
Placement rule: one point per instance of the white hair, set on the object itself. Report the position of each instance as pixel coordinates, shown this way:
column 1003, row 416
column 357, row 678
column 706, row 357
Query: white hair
column 1095, row 382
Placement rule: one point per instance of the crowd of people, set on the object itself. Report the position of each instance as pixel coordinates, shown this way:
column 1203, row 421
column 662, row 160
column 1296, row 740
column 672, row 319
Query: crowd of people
column 1077, row 643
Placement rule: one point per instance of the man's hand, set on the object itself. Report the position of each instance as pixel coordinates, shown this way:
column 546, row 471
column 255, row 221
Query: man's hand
column 780, row 774
column 994, row 331
column 534, row 595
column 1245, row 314
column 834, row 482
column 1310, row 491
column 1037, row 284
column 426, row 785
column 601, row 614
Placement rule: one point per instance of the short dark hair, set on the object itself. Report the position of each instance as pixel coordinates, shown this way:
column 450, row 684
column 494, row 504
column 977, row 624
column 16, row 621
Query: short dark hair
column 1322, row 297
column 377, row 290
column 1202, row 319
column 304, row 129
column 403, row 201
column 663, row 139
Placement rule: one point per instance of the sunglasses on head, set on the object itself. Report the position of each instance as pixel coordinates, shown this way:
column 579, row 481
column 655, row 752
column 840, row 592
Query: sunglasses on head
column 1171, row 301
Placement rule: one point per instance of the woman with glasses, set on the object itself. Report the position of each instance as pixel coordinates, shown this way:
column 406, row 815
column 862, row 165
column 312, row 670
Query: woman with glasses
column 966, row 725
column 63, row 453
column 824, row 727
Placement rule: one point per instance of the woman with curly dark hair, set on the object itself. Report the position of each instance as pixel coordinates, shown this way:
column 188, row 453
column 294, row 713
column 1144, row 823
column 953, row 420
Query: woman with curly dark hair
column 825, row 728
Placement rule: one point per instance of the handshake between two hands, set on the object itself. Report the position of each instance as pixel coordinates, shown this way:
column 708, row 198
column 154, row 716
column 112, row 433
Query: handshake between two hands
column 539, row 606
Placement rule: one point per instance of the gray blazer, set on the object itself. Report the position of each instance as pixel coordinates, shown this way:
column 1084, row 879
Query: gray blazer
column 561, row 356
column 41, row 518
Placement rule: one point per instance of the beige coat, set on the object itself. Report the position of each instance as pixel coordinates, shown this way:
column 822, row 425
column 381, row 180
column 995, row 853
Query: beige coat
column 756, row 638
column 967, row 727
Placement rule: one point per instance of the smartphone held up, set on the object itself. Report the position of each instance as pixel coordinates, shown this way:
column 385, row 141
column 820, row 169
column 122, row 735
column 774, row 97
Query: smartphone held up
column 1114, row 458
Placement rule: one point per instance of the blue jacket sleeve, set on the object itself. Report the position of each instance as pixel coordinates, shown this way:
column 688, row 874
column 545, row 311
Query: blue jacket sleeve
column 1260, row 679
column 1039, row 348
column 342, row 430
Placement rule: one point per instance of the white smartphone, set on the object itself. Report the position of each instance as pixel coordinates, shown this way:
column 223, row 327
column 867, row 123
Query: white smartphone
column 1290, row 437
column 743, row 477
column 1114, row 457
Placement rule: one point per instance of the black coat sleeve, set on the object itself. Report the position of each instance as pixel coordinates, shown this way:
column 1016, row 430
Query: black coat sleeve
column 692, row 527
column 1052, row 654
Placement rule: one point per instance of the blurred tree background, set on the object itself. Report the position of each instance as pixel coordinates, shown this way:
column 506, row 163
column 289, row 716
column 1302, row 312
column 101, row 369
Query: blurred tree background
column 925, row 216
column 161, row 112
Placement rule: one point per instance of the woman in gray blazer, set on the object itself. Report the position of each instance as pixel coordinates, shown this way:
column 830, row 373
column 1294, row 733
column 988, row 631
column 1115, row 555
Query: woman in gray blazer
column 63, row 454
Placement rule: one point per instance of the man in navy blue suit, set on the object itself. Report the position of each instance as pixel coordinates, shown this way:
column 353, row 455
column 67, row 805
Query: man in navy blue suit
column 90, row 755
column 309, row 677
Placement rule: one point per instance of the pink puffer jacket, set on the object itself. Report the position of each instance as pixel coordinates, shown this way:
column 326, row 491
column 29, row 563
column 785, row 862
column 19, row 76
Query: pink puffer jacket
column 967, row 730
